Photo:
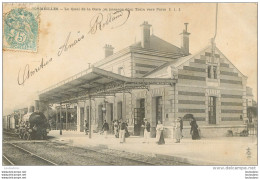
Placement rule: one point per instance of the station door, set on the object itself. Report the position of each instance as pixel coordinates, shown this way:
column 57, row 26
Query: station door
column 81, row 119
column 139, row 114
column 159, row 109
column 212, row 110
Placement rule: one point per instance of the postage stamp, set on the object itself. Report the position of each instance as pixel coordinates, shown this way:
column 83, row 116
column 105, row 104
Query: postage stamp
column 21, row 30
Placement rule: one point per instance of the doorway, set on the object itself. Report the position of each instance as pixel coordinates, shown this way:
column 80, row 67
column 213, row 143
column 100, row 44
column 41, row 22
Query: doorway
column 100, row 117
column 212, row 109
column 139, row 115
column 81, row 119
column 109, row 116
column 119, row 110
column 159, row 107
column 87, row 117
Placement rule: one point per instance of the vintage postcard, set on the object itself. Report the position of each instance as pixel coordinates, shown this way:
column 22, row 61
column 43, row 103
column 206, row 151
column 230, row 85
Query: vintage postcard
column 130, row 84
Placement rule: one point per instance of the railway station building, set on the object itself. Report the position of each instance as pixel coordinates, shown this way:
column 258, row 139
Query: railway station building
column 159, row 81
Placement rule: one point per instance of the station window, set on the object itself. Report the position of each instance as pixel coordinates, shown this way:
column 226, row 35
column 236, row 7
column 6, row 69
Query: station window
column 209, row 71
column 212, row 72
column 215, row 72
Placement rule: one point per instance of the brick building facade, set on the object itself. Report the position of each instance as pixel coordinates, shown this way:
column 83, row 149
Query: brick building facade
column 207, row 85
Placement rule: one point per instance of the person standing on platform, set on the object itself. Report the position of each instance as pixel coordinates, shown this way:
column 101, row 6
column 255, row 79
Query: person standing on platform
column 122, row 132
column 181, row 126
column 159, row 134
column 105, row 128
column 86, row 127
column 194, row 129
column 147, row 127
column 178, row 134
column 126, row 130
column 116, row 129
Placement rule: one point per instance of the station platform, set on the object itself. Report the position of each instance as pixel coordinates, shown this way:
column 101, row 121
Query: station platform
column 207, row 151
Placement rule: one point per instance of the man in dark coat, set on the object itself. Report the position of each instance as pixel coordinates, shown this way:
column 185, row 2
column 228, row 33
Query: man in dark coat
column 181, row 126
column 105, row 128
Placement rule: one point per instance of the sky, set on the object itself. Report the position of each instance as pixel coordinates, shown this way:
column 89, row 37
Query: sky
column 236, row 38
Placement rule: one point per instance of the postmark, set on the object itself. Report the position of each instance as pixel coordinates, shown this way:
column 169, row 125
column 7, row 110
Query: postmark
column 21, row 30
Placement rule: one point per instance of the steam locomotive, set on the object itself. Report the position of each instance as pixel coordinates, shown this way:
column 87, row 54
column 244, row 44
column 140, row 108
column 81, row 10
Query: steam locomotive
column 33, row 126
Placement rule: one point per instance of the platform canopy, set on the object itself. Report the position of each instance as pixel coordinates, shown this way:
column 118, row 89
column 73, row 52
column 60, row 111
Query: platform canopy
column 95, row 82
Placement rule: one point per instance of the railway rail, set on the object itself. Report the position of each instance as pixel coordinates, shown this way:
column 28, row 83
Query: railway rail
column 25, row 151
column 122, row 159
column 88, row 156
column 104, row 158
column 7, row 161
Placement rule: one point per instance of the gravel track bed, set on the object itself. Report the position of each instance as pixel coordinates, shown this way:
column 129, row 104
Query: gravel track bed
column 61, row 154
column 145, row 157
column 68, row 155
column 64, row 154
column 19, row 157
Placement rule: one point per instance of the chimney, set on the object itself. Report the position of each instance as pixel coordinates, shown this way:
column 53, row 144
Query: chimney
column 108, row 50
column 185, row 40
column 145, row 35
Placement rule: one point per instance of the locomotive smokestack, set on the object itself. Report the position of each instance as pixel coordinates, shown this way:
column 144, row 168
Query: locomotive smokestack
column 37, row 105
column 30, row 109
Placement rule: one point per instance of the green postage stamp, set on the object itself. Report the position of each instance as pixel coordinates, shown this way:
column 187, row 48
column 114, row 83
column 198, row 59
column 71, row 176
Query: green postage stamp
column 21, row 30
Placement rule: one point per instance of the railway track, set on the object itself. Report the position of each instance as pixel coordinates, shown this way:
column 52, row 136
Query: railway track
column 64, row 154
column 7, row 161
column 124, row 158
column 11, row 134
column 5, row 132
column 28, row 158
column 119, row 159
column 89, row 154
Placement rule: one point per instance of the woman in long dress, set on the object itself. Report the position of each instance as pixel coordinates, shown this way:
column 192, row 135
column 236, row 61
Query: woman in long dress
column 159, row 134
column 122, row 132
column 178, row 133
column 194, row 129
column 116, row 129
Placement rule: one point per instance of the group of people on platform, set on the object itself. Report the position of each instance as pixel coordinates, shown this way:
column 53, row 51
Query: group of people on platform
column 178, row 127
column 194, row 131
column 120, row 129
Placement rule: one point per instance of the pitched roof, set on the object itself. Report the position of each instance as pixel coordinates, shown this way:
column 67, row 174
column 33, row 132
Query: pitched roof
column 231, row 63
column 181, row 60
column 175, row 62
column 159, row 44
